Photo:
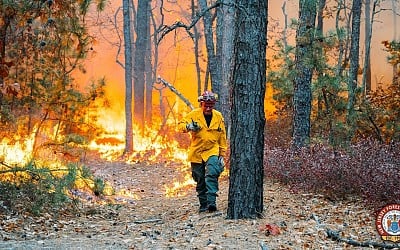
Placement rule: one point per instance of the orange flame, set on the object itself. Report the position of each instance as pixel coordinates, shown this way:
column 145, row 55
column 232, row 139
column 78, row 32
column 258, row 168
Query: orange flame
column 16, row 150
column 152, row 147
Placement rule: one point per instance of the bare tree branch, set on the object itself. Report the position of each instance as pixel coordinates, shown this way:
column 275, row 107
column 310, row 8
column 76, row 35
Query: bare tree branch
column 163, row 30
column 335, row 236
column 119, row 39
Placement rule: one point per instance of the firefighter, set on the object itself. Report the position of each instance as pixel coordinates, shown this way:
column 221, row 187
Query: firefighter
column 207, row 149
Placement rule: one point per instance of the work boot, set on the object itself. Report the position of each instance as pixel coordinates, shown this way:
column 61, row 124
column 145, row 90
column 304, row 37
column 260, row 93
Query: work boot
column 212, row 207
column 203, row 208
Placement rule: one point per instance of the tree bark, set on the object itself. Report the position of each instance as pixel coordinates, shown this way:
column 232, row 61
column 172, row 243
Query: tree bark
column 5, row 20
column 304, row 66
column 227, row 16
column 128, row 78
column 196, row 49
column 320, row 52
column 148, row 73
column 366, row 80
column 139, row 62
column 354, row 64
column 248, row 118
column 213, row 65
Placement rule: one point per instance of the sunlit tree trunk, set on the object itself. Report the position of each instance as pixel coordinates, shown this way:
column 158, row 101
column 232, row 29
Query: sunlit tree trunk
column 304, row 69
column 196, row 50
column 227, row 17
column 319, row 51
column 366, row 80
column 154, row 60
column 128, row 78
column 248, row 118
column 354, row 64
column 213, row 65
column 219, row 31
column 142, row 24
column 148, row 73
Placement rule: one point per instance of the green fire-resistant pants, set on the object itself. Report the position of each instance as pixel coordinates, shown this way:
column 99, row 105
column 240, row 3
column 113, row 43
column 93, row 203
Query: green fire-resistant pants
column 206, row 176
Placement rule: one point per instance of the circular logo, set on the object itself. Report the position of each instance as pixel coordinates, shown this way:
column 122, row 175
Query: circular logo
column 388, row 222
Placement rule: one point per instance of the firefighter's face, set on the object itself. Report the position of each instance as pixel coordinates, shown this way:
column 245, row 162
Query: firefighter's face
column 207, row 107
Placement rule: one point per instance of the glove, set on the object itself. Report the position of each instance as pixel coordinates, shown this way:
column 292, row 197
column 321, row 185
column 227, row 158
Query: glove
column 193, row 126
column 221, row 161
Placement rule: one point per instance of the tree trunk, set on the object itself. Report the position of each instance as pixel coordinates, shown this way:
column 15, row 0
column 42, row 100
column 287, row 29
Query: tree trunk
column 5, row 20
column 228, row 24
column 302, row 96
column 354, row 64
column 139, row 62
column 196, row 50
column 344, row 41
column 213, row 65
column 148, row 73
column 320, row 53
column 366, row 80
column 128, row 78
column 248, row 118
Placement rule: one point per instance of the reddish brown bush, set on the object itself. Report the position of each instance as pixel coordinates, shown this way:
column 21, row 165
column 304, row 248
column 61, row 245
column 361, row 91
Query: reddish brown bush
column 367, row 170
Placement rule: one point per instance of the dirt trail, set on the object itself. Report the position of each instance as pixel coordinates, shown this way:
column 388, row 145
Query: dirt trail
column 150, row 220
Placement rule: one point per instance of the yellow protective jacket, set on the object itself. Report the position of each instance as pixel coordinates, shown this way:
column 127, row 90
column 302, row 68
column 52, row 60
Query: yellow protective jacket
column 207, row 141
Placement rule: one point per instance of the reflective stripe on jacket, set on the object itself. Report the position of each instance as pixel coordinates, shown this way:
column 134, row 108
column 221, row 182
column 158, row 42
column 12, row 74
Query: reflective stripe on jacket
column 207, row 141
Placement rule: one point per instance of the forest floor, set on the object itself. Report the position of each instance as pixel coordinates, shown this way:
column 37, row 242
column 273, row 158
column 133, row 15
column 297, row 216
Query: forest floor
column 145, row 218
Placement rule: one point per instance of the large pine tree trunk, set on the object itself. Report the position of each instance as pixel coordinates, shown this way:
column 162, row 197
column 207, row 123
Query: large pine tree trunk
column 248, row 118
column 304, row 70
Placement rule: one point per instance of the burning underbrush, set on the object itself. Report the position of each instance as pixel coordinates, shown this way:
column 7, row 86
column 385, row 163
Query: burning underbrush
column 47, row 174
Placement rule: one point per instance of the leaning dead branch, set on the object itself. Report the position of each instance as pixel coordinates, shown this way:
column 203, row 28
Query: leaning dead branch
column 173, row 89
